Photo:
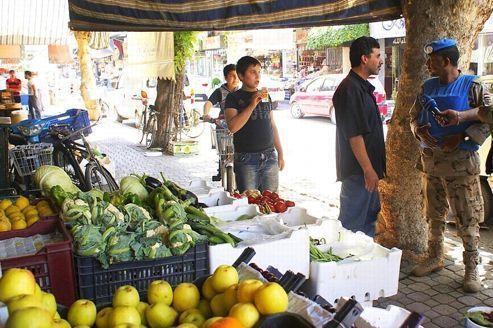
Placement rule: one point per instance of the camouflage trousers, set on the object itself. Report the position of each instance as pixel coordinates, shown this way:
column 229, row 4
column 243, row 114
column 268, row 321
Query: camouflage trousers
column 463, row 195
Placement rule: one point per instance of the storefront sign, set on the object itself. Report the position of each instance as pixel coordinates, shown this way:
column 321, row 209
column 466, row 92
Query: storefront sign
column 301, row 36
column 212, row 42
column 388, row 29
column 398, row 41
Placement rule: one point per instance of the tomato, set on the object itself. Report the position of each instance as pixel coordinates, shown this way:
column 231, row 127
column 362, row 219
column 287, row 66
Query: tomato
column 274, row 196
column 289, row 203
column 252, row 200
column 266, row 193
column 236, row 195
column 280, row 206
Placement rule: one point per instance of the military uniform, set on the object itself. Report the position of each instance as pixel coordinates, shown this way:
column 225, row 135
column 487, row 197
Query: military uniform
column 451, row 177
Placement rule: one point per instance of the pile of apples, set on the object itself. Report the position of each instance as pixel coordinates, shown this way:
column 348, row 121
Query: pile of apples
column 27, row 304
column 222, row 302
column 20, row 214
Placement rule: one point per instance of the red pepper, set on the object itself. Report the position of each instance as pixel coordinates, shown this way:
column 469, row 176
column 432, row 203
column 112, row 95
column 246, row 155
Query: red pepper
column 252, row 200
column 289, row 203
column 236, row 195
column 280, row 206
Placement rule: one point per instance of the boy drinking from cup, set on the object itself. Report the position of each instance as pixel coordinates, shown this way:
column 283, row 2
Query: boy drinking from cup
column 258, row 152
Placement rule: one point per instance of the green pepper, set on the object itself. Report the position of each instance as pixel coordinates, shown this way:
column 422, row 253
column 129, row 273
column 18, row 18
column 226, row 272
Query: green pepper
column 59, row 195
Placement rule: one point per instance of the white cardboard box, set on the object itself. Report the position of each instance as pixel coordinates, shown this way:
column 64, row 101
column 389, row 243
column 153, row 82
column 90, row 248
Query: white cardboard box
column 219, row 198
column 232, row 212
column 200, row 187
column 374, row 275
column 289, row 253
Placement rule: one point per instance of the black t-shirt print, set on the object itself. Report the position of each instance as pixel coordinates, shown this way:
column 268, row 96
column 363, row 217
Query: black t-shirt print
column 256, row 135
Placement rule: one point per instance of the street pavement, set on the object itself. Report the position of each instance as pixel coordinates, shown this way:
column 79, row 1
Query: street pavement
column 309, row 179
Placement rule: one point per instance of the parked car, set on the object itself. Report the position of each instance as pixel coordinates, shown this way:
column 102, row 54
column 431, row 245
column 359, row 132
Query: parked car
column 314, row 96
column 123, row 100
column 200, row 85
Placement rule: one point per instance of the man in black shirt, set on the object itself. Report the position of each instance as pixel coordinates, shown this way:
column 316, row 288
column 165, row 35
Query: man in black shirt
column 360, row 147
column 258, row 150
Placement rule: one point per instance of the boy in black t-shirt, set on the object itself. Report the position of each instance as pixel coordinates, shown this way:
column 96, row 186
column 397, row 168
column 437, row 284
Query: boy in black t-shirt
column 219, row 95
column 258, row 150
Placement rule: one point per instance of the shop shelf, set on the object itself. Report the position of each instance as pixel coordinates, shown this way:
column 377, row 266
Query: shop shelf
column 52, row 265
column 98, row 284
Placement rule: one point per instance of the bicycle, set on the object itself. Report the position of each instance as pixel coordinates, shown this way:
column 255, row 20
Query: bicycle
column 189, row 122
column 69, row 155
column 225, row 149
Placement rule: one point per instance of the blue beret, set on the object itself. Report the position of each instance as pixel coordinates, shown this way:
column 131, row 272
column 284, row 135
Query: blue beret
column 438, row 45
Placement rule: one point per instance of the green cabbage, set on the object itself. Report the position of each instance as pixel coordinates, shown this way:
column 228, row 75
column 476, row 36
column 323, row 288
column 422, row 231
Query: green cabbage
column 132, row 184
column 47, row 176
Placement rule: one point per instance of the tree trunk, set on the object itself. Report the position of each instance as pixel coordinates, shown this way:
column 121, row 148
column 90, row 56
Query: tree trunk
column 87, row 74
column 168, row 102
column 401, row 223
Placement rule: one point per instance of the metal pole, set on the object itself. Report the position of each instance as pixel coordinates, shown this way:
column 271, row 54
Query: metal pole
column 5, row 188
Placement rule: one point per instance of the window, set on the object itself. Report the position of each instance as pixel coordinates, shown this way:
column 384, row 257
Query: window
column 315, row 85
column 328, row 85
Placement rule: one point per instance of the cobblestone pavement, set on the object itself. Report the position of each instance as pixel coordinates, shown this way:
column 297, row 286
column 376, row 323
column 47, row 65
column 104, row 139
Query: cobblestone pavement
column 439, row 296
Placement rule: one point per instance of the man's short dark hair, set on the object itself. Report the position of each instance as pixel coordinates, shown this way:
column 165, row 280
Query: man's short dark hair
column 228, row 68
column 11, row 71
column 245, row 62
column 28, row 73
column 361, row 46
column 451, row 53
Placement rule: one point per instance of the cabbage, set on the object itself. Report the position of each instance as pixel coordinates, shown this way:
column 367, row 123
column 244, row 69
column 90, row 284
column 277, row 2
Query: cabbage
column 132, row 184
column 47, row 176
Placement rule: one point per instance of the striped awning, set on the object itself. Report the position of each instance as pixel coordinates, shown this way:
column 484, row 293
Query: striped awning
column 34, row 22
column 207, row 15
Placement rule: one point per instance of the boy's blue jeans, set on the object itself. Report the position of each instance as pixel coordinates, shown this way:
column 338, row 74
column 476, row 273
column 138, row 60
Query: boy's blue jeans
column 359, row 208
column 257, row 170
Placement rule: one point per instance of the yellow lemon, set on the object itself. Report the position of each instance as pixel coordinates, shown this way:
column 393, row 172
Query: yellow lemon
column 30, row 213
column 32, row 221
column 5, row 203
column 22, row 202
column 27, row 208
column 42, row 203
column 19, row 224
column 16, row 216
column 45, row 212
column 2, row 213
column 5, row 225
column 12, row 209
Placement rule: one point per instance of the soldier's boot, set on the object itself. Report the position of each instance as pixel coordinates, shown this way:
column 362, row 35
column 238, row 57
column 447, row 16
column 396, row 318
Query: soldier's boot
column 472, row 283
column 434, row 261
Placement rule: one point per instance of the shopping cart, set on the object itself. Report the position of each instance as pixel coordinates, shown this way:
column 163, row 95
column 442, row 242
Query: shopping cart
column 27, row 159
column 223, row 139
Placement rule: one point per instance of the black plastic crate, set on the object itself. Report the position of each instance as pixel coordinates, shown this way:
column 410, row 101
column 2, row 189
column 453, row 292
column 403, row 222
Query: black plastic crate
column 98, row 284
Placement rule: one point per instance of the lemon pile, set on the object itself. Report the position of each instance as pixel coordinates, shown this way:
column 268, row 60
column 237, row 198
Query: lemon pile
column 20, row 214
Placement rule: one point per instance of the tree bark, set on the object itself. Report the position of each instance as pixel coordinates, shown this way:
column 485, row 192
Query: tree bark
column 168, row 102
column 402, row 223
column 87, row 74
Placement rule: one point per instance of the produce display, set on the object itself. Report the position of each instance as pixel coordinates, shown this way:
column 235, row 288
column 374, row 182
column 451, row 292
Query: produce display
column 319, row 256
column 267, row 201
column 146, row 219
column 221, row 301
column 19, row 213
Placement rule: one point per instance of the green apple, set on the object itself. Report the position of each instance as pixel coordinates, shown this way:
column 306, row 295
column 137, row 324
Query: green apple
column 142, row 307
column 193, row 316
column 160, row 291
column 82, row 312
column 160, row 315
column 60, row 323
column 126, row 296
column 103, row 317
column 205, row 308
column 49, row 302
column 186, row 296
column 32, row 317
column 124, row 314
column 23, row 301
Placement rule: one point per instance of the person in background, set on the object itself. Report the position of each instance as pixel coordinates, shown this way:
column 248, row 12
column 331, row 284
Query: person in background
column 14, row 85
column 449, row 157
column 258, row 152
column 219, row 97
column 360, row 146
column 35, row 104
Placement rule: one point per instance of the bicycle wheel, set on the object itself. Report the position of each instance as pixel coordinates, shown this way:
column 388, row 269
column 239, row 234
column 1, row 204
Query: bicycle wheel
column 97, row 176
column 63, row 160
column 151, row 131
column 195, row 125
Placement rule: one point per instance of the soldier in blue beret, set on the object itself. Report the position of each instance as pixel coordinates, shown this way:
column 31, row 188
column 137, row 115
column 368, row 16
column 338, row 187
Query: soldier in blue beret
column 449, row 157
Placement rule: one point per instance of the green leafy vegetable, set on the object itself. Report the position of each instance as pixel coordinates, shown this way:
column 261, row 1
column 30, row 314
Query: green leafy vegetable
column 48, row 176
column 133, row 184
